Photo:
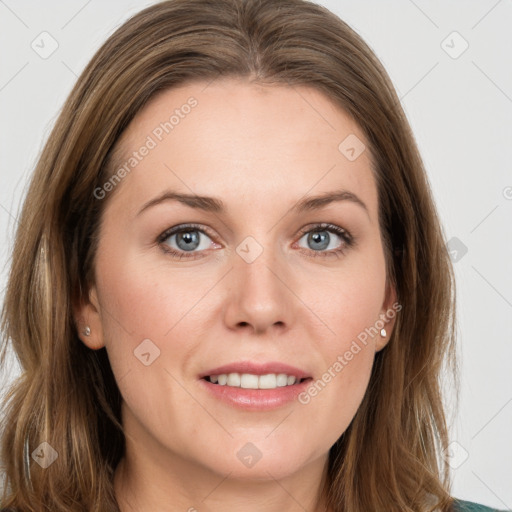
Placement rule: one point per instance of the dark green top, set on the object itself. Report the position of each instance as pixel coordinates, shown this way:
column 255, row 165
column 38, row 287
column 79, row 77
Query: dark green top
column 466, row 506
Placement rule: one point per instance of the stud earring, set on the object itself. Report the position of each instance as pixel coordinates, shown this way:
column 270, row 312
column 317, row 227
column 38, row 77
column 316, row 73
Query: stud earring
column 383, row 333
column 87, row 331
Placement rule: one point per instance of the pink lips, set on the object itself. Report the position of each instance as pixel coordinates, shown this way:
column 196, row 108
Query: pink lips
column 256, row 399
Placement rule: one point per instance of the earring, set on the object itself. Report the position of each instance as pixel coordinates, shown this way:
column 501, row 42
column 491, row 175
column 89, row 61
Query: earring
column 87, row 331
column 383, row 333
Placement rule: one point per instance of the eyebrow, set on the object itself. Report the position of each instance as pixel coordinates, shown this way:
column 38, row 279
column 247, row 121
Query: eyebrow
column 215, row 205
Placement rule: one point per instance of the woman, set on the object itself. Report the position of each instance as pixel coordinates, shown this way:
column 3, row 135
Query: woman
column 229, row 284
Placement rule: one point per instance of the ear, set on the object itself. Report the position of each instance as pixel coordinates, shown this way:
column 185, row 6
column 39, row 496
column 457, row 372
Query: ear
column 389, row 311
column 87, row 313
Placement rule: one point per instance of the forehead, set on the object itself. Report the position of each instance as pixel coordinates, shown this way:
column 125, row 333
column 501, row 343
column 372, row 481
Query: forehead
column 258, row 141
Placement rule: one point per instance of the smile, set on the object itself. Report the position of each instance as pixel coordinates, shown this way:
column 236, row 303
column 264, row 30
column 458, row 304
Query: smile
column 252, row 386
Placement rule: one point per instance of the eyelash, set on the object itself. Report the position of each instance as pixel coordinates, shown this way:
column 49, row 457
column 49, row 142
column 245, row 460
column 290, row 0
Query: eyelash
column 347, row 238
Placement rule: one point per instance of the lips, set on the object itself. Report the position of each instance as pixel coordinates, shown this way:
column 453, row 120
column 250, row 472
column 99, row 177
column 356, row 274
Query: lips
column 251, row 386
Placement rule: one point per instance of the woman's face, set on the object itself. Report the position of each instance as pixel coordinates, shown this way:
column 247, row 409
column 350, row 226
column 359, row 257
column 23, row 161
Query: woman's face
column 257, row 285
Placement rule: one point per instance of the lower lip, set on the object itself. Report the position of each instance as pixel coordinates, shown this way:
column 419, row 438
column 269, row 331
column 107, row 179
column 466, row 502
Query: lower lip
column 256, row 399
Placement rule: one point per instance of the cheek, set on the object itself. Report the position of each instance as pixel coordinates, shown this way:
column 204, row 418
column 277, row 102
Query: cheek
column 142, row 314
column 145, row 298
column 350, row 306
column 150, row 326
column 334, row 397
column 349, row 302
column 328, row 406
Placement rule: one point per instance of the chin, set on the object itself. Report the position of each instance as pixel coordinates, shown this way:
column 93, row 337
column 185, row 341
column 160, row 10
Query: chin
column 275, row 468
column 261, row 459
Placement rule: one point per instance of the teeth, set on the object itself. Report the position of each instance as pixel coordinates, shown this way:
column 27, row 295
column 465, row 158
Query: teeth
column 268, row 381
column 234, row 380
column 250, row 381
column 281, row 380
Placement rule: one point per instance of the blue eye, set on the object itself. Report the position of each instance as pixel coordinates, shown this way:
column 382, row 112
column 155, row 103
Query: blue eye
column 319, row 239
column 188, row 240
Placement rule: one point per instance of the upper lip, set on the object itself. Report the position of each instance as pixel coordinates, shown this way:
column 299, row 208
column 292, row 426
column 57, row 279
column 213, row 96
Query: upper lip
column 256, row 369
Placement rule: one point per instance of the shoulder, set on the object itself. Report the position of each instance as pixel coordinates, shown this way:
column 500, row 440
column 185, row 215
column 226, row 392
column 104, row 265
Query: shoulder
column 467, row 506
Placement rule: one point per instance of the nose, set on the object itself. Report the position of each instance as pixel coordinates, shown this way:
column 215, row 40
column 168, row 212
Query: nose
column 259, row 296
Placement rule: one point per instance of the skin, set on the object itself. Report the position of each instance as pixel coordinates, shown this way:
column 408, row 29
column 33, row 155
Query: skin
column 260, row 149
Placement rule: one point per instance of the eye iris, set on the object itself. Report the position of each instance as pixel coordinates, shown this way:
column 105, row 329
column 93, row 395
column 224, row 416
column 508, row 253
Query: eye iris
column 189, row 237
column 321, row 237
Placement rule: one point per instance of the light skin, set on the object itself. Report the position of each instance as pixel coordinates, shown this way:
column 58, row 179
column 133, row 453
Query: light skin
column 261, row 150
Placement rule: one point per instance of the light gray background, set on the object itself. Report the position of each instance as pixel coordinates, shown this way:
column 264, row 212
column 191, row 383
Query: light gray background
column 460, row 110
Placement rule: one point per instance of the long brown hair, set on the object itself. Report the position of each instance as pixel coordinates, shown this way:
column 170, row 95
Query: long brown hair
column 390, row 456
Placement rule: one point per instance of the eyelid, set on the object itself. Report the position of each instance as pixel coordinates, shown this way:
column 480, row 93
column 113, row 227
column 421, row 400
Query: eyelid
column 325, row 226
column 206, row 230
column 184, row 227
